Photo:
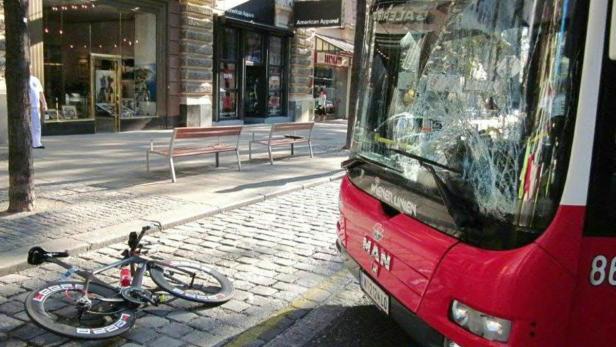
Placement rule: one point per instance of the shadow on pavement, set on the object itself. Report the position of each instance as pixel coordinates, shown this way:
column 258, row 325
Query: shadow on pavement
column 278, row 182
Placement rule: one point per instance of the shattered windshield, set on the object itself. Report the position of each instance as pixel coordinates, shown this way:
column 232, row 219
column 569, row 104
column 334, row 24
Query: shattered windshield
column 482, row 90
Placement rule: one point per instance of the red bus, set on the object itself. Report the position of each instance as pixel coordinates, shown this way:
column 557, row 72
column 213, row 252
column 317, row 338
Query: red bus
column 479, row 205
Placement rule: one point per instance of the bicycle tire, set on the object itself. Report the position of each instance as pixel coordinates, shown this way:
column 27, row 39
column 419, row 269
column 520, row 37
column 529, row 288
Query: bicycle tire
column 213, row 296
column 121, row 319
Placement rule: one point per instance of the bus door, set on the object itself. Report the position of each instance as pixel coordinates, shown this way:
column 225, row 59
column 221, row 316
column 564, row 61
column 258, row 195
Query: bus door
column 592, row 321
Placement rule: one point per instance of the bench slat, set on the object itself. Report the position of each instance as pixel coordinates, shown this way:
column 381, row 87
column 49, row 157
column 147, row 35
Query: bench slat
column 191, row 133
column 187, row 151
column 292, row 126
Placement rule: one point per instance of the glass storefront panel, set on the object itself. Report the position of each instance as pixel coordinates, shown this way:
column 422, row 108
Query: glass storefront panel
column 275, row 51
column 229, row 44
column 100, row 63
column 253, row 49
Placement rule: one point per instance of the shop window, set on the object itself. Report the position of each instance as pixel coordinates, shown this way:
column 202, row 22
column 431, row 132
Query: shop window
column 274, row 98
column 254, row 49
column 228, row 76
column 100, row 64
column 254, row 94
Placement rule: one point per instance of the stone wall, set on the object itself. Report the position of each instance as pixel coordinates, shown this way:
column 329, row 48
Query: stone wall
column 196, row 61
column 301, row 101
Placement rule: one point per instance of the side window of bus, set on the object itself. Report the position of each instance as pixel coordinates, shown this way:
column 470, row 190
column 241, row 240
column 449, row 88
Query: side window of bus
column 601, row 217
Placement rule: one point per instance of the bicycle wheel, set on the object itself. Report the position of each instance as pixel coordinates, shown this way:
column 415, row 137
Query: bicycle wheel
column 207, row 286
column 62, row 308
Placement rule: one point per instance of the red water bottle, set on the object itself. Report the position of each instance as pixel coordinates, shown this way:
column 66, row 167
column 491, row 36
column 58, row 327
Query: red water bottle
column 125, row 277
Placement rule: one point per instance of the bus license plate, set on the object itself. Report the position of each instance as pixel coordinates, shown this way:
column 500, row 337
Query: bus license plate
column 378, row 295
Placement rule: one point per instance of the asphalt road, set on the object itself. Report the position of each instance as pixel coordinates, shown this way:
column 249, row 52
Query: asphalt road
column 365, row 326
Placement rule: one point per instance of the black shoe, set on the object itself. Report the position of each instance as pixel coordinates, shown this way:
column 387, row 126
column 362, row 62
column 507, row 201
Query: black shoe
column 39, row 147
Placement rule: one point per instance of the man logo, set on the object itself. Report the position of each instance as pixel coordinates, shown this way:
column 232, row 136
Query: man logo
column 378, row 232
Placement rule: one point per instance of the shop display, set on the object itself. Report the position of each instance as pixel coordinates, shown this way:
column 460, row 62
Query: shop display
column 69, row 112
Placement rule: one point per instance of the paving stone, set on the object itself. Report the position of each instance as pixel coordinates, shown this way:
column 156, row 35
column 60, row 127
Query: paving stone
column 236, row 306
column 28, row 332
column 201, row 338
column 152, row 322
column 7, row 323
column 165, row 341
column 141, row 334
column 48, row 339
column 182, row 316
column 176, row 330
column 12, row 307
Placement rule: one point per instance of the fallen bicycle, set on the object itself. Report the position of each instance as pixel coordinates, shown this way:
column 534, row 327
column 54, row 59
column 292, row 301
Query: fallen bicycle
column 94, row 309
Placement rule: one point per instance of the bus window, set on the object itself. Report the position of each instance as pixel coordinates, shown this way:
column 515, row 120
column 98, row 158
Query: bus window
column 601, row 216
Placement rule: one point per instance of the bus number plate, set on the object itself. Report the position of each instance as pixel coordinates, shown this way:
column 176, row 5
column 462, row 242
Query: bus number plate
column 378, row 295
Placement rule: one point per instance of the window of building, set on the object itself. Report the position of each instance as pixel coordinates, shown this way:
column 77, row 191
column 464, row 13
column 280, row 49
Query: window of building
column 228, row 75
column 100, row 63
column 252, row 73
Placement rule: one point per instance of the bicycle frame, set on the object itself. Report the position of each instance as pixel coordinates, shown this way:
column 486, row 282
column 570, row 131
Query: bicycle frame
column 143, row 265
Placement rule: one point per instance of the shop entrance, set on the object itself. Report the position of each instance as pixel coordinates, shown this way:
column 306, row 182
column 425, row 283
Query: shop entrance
column 106, row 91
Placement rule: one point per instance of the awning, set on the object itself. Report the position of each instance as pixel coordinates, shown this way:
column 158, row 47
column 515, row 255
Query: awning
column 346, row 47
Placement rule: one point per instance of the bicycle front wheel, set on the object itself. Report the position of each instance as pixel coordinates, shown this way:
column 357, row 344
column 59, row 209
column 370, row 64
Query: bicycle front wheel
column 65, row 309
column 193, row 282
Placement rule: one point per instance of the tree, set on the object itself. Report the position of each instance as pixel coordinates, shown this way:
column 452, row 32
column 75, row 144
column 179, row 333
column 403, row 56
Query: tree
column 357, row 54
column 21, row 186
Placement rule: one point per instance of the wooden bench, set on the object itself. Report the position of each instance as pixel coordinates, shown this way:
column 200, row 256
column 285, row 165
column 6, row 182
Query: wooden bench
column 174, row 150
column 284, row 134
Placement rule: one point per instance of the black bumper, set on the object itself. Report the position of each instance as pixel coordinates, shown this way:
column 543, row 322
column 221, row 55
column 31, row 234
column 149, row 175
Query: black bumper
column 419, row 330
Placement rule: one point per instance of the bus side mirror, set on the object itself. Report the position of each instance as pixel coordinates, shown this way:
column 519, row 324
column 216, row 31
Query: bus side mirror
column 613, row 33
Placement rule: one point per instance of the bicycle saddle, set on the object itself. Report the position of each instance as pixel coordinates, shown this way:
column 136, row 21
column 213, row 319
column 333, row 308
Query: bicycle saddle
column 37, row 255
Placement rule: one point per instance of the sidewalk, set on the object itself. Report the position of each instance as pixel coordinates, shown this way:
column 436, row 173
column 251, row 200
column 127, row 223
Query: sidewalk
column 93, row 189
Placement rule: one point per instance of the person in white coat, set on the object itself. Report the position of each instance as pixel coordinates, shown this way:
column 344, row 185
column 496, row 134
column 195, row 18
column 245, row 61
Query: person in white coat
column 38, row 107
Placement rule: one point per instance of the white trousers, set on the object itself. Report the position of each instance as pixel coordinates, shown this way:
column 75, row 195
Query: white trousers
column 36, row 127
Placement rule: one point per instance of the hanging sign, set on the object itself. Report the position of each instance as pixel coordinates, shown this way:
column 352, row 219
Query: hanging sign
column 313, row 14
column 332, row 59
column 258, row 11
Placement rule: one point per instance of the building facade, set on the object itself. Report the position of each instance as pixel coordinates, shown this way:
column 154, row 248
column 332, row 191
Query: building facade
column 117, row 65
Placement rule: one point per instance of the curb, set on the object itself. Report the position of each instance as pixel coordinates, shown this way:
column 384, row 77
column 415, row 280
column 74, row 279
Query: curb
column 15, row 260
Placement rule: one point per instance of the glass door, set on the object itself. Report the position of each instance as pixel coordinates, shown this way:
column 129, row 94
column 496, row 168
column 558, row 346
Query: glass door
column 255, row 91
column 105, row 84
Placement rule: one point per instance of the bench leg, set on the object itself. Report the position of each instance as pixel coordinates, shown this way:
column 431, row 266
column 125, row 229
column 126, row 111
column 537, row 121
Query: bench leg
column 292, row 149
column 271, row 158
column 239, row 162
column 249, row 150
column 217, row 160
column 147, row 161
column 310, row 146
column 172, row 168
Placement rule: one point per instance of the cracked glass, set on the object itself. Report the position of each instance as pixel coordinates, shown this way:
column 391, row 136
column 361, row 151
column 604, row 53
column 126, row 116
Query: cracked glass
column 480, row 90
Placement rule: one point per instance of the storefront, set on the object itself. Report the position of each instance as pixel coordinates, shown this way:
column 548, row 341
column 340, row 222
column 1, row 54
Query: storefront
column 103, row 65
column 332, row 74
column 252, row 64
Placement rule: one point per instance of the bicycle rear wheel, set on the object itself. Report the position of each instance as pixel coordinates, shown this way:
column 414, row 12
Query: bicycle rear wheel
column 207, row 286
column 59, row 307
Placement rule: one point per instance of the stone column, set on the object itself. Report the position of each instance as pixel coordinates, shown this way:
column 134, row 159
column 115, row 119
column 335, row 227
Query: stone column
column 196, row 57
column 301, row 101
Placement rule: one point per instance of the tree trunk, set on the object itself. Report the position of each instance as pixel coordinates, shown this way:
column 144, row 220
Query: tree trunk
column 355, row 78
column 21, row 189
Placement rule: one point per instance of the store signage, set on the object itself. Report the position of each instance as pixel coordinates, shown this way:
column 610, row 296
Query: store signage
column 258, row 11
column 312, row 14
column 332, row 59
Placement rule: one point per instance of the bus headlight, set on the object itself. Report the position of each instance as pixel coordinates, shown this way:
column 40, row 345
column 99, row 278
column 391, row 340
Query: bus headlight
column 481, row 324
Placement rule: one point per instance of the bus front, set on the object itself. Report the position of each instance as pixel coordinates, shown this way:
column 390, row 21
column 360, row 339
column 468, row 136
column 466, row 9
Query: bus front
column 451, row 210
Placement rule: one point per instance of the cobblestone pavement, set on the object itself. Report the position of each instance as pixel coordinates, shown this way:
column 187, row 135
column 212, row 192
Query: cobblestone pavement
column 81, row 201
column 71, row 209
column 280, row 254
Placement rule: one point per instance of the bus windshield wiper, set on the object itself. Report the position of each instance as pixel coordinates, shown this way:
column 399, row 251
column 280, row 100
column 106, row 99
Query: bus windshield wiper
column 459, row 209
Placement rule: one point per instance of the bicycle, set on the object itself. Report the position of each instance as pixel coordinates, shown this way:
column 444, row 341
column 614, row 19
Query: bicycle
column 94, row 309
